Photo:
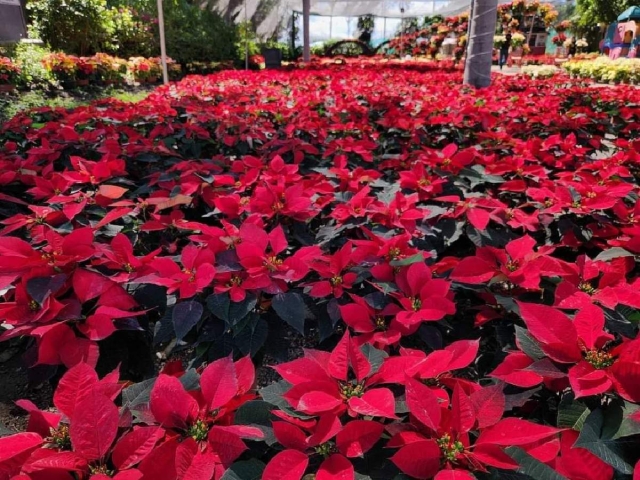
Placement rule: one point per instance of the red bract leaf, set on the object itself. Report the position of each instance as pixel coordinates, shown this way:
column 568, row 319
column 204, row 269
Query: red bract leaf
column 377, row 402
column 577, row 462
column 226, row 445
column 97, row 327
column 454, row 475
column 463, row 415
column 18, row 444
column 111, row 191
column 290, row 436
column 245, row 374
column 201, row 467
column 419, row 459
column 423, row 404
column 40, row 422
column 472, row 270
column 336, row 467
column 463, row 353
column 346, row 354
column 589, row 324
column 113, row 215
column 219, row 383
column 135, row 446
column 488, row 403
column 65, row 461
column 94, row 425
column 514, row 431
column 170, row 404
column 554, row 330
column 88, row 285
column 494, row 456
column 317, row 401
column 478, row 217
column 300, row 370
column 358, row 437
column 625, row 377
column 128, row 475
column 287, row 465
column 160, row 464
column 326, row 429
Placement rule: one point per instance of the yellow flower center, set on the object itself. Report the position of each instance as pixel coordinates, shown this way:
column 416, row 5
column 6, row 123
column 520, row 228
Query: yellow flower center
column 586, row 287
column 599, row 359
column 416, row 304
column 450, row 449
column 348, row 390
column 59, row 438
column 513, row 265
column 199, row 431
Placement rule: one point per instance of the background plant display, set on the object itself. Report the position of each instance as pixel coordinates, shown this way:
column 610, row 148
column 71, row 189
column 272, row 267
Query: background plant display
column 458, row 265
column 605, row 70
column 519, row 16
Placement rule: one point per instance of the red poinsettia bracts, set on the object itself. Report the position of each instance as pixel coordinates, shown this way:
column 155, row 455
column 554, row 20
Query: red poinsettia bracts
column 518, row 263
column 599, row 365
column 422, row 297
column 336, row 383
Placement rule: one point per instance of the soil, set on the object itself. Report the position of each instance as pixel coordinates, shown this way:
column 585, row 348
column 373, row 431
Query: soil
column 14, row 385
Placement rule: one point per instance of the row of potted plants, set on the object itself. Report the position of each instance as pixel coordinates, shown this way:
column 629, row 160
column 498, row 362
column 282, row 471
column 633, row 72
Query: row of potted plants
column 71, row 71
column 101, row 68
column 9, row 72
column 606, row 70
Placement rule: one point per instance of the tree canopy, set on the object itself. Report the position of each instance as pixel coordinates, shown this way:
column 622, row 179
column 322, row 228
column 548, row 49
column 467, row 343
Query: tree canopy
column 591, row 12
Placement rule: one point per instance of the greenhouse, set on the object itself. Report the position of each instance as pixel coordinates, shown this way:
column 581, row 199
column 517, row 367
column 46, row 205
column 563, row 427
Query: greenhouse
column 319, row 240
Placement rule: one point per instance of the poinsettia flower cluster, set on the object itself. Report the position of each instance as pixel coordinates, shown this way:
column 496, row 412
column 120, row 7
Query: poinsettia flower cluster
column 177, row 433
column 463, row 264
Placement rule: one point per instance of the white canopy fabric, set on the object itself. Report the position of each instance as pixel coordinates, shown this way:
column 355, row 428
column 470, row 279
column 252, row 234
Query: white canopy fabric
column 268, row 15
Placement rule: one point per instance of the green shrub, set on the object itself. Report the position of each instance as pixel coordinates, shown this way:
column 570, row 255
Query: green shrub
column 247, row 40
column 128, row 28
column 133, row 34
column 33, row 74
column 80, row 27
column 197, row 35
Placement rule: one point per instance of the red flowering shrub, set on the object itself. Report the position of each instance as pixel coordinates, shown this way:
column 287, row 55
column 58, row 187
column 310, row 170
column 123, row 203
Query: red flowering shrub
column 462, row 263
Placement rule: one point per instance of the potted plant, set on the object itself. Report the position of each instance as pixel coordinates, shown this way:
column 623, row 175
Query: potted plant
column 111, row 70
column 582, row 45
column 365, row 26
column 9, row 73
column 563, row 26
column 86, row 70
column 517, row 42
column 63, row 67
column 141, row 68
column 257, row 62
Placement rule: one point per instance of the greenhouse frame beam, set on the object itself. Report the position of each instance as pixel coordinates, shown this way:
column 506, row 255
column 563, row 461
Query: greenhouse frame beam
column 163, row 46
column 306, row 48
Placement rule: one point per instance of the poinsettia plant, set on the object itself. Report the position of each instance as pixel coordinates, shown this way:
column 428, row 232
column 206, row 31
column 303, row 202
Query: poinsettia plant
column 459, row 266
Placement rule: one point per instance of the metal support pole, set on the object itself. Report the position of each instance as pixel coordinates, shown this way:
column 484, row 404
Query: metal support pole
column 306, row 12
column 402, row 25
column 384, row 33
column 331, row 27
column 246, row 37
column 163, row 47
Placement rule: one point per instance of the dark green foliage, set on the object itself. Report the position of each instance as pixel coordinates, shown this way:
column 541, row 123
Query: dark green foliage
column 194, row 34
